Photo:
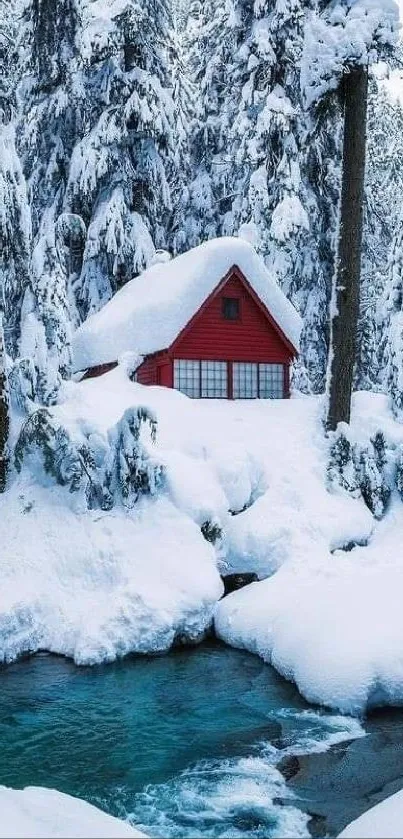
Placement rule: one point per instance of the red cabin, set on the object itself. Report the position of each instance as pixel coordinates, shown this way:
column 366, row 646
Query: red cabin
column 204, row 327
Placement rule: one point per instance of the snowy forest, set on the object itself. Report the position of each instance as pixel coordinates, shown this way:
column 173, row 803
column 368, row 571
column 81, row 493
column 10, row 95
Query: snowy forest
column 126, row 129
column 153, row 155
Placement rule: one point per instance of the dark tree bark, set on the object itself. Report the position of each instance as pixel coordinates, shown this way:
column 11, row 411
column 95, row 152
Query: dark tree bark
column 346, row 296
column 4, row 413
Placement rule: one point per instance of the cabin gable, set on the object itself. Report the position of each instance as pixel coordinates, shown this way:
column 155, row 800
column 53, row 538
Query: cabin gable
column 252, row 336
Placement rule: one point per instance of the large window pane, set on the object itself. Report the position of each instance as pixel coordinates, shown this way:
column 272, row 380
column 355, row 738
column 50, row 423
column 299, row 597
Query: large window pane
column 214, row 383
column 244, row 380
column 271, row 381
column 187, row 377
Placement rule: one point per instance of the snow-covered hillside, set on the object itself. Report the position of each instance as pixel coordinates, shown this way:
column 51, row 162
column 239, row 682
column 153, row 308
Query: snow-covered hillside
column 98, row 584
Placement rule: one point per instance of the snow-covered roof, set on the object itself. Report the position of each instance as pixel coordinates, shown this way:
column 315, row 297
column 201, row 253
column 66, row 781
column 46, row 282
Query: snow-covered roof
column 148, row 313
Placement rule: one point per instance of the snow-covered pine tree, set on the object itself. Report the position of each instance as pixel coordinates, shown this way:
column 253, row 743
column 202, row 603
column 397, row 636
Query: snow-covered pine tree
column 392, row 323
column 15, row 234
column 213, row 36
column 384, row 187
column 14, row 211
column 264, row 151
column 184, row 100
column 334, row 60
column 370, row 466
column 120, row 170
column 51, row 118
column 4, row 412
column 10, row 15
column 132, row 471
column 261, row 165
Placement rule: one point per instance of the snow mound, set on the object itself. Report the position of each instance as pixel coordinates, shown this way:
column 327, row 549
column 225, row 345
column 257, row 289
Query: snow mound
column 39, row 813
column 96, row 586
column 336, row 628
column 384, row 821
column 328, row 619
column 148, row 313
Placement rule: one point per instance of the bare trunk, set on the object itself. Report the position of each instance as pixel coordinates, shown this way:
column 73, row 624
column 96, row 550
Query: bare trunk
column 4, row 413
column 346, row 296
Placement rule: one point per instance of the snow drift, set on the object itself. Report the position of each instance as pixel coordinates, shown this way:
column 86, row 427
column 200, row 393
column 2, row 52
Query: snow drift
column 39, row 813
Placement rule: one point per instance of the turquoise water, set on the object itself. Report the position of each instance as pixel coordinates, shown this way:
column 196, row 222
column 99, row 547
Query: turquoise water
column 185, row 745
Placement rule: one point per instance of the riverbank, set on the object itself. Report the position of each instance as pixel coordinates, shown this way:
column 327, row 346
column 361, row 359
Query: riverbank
column 151, row 741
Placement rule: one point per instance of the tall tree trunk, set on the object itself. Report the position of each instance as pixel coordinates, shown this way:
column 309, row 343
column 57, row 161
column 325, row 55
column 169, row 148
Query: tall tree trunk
column 4, row 413
column 346, row 294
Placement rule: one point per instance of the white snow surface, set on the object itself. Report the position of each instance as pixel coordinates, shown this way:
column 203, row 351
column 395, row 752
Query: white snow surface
column 384, row 821
column 97, row 585
column 149, row 312
column 330, row 620
column 40, row 813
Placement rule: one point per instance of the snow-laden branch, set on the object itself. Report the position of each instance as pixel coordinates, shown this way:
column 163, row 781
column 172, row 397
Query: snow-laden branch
column 350, row 33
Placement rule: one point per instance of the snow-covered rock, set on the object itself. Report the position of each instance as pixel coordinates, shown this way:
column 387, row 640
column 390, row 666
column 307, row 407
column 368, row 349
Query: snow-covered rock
column 40, row 813
column 384, row 821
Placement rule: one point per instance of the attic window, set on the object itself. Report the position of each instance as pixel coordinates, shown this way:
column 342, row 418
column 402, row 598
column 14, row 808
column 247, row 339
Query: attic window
column 230, row 308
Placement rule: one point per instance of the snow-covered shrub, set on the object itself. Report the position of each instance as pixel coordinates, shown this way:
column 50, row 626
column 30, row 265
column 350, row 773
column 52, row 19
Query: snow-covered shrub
column 341, row 470
column 132, row 471
column 399, row 471
column 104, row 470
column 373, row 485
column 42, row 437
column 360, row 469
column 211, row 531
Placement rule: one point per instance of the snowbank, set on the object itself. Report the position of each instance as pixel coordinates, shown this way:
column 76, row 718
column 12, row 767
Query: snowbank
column 96, row 585
column 330, row 620
column 384, row 821
column 148, row 313
column 38, row 813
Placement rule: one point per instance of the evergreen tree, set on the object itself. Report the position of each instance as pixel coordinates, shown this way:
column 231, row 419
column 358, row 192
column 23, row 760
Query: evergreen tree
column 50, row 120
column 15, row 234
column 212, row 38
column 392, row 323
column 384, row 186
column 120, row 170
column 261, row 164
column 4, row 413
column 184, row 100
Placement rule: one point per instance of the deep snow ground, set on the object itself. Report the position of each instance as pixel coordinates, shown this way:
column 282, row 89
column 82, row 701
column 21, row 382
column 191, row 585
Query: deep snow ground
column 98, row 585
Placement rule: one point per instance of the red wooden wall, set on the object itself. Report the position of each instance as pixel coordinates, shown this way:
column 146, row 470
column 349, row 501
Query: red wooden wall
column 156, row 370
column 209, row 336
column 252, row 338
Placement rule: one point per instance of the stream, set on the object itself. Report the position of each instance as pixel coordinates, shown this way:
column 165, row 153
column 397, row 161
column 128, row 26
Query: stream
column 204, row 742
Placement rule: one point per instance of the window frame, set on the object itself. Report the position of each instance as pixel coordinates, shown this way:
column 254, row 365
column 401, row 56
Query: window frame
column 236, row 300
column 278, row 377
column 244, row 373
column 195, row 378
